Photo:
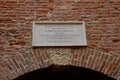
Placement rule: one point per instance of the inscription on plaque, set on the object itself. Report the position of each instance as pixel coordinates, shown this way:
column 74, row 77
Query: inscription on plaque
column 59, row 34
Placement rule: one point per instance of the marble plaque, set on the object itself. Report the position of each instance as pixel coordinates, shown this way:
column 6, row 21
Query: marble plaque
column 59, row 34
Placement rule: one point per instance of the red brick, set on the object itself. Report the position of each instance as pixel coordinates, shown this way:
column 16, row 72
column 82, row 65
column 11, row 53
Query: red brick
column 102, row 26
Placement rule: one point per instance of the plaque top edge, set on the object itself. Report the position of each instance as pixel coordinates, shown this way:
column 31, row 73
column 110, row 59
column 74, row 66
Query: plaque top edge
column 57, row 22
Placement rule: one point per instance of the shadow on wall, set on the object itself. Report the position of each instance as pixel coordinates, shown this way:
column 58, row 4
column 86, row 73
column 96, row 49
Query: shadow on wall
column 68, row 72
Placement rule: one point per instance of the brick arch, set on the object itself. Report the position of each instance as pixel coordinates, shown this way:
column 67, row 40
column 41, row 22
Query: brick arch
column 103, row 62
column 23, row 63
column 40, row 58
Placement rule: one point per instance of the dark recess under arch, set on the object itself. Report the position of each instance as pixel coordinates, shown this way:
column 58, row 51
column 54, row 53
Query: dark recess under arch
column 66, row 72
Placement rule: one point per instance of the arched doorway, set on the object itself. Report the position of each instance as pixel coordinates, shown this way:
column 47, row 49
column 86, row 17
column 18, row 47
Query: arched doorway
column 66, row 72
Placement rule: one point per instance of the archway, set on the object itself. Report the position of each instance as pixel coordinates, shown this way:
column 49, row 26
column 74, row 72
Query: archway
column 68, row 72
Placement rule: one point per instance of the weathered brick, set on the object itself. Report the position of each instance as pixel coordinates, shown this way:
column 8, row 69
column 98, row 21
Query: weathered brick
column 102, row 26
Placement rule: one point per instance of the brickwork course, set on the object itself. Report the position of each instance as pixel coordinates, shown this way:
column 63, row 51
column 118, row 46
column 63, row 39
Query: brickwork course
column 102, row 18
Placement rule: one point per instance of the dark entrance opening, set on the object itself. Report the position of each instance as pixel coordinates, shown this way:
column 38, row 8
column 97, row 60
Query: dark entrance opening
column 68, row 72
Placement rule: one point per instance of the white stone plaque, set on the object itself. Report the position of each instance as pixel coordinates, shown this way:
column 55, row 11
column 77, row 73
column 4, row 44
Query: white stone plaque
column 59, row 34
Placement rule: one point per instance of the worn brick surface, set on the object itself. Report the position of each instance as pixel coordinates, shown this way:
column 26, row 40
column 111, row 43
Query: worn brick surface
column 102, row 17
column 96, row 60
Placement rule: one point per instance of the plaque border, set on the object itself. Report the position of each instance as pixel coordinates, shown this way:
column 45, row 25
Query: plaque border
column 59, row 22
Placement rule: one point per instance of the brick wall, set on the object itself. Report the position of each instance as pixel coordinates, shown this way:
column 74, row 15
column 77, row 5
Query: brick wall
column 17, row 56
